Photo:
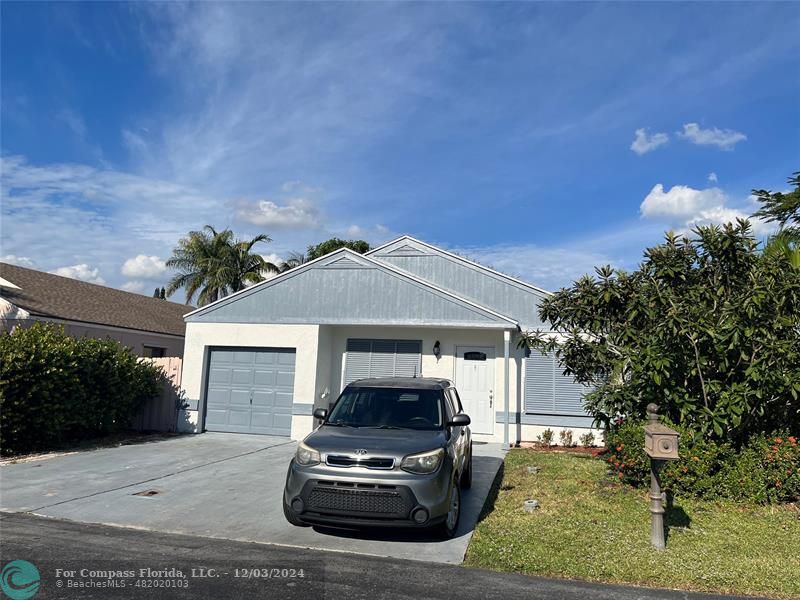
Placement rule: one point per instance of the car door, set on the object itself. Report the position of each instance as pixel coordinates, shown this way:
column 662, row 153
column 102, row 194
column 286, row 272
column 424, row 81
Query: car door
column 459, row 438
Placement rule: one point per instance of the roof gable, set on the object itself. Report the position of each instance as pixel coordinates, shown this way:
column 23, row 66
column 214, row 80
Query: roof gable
column 500, row 292
column 344, row 287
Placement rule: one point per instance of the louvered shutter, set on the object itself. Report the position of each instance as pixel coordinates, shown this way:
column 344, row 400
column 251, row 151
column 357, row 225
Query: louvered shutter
column 382, row 358
column 548, row 391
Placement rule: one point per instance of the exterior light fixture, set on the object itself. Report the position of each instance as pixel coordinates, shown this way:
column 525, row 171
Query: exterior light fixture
column 437, row 349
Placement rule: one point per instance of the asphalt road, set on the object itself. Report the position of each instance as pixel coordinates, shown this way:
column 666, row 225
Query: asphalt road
column 92, row 558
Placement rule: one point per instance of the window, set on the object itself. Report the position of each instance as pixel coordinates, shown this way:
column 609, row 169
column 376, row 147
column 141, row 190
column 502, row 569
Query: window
column 474, row 356
column 388, row 408
column 153, row 352
column 548, row 391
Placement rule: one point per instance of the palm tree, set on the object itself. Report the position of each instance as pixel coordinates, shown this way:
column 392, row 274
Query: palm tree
column 215, row 264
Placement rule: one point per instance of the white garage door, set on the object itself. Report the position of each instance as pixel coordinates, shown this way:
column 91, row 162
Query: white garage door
column 250, row 391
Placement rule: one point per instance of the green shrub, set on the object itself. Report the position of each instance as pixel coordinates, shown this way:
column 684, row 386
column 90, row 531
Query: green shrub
column 767, row 469
column 56, row 389
column 546, row 437
column 587, row 439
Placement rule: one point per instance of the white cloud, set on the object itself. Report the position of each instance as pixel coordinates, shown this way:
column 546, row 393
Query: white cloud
column 680, row 202
column 642, row 143
column 73, row 121
column 136, row 287
column 20, row 261
column 725, row 139
column 712, row 177
column 684, row 207
column 297, row 213
column 82, row 272
column 144, row 267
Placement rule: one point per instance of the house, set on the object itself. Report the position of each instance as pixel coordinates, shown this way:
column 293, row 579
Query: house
column 149, row 326
column 260, row 360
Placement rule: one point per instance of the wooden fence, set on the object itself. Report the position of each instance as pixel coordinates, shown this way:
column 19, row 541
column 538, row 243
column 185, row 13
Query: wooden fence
column 161, row 413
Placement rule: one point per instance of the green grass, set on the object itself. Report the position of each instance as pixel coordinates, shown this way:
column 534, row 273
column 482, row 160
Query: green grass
column 591, row 527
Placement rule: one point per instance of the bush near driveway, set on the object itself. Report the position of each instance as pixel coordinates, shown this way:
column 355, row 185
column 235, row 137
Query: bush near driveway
column 591, row 526
column 765, row 470
column 56, row 389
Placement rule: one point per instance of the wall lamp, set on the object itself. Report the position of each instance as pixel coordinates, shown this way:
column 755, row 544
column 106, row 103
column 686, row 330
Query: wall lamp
column 437, row 349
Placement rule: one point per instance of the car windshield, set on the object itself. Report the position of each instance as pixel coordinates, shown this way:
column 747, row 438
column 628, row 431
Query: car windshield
column 388, row 408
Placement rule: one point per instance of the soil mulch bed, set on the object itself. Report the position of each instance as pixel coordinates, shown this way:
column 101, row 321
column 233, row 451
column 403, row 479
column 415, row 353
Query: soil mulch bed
column 594, row 452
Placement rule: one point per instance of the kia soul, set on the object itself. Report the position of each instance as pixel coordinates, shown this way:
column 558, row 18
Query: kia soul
column 391, row 452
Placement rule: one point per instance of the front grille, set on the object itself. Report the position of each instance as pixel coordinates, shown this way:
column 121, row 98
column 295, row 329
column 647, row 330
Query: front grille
column 363, row 499
column 369, row 463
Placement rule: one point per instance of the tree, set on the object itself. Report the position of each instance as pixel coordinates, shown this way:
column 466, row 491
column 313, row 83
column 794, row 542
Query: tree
column 156, row 293
column 782, row 208
column 162, row 294
column 708, row 327
column 328, row 246
column 215, row 264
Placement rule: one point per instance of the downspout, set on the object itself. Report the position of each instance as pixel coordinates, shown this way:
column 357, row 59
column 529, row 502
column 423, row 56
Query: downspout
column 507, row 420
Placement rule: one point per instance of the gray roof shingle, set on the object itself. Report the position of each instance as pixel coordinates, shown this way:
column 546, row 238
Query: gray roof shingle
column 48, row 295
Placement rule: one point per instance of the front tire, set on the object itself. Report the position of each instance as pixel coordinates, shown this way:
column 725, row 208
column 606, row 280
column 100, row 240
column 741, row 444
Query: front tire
column 448, row 528
column 292, row 517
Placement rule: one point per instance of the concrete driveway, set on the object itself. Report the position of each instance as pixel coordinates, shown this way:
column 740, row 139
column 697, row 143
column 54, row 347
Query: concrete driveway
column 217, row 485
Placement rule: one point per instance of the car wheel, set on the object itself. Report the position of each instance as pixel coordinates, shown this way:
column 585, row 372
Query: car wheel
column 292, row 517
column 450, row 525
column 466, row 477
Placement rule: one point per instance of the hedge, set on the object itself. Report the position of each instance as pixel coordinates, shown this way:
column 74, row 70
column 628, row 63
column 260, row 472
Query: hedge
column 56, row 389
column 765, row 470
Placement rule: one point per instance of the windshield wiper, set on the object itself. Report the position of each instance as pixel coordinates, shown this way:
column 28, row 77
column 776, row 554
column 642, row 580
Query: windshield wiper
column 340, row 424
column 387, row 427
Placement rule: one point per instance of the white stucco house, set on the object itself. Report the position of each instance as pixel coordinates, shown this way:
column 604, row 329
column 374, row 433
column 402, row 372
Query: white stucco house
column 260, row 360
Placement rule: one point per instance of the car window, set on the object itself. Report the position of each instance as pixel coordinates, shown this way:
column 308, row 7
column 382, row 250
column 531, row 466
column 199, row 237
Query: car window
column 452, row 407
column 456, row 400
column 389, row 408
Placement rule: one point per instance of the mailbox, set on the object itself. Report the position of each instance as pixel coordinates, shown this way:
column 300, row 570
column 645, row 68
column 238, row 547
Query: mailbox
column 660, row 442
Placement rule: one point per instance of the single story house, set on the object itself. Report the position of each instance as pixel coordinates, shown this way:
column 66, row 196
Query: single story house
column 149, row 326
column 260, row 360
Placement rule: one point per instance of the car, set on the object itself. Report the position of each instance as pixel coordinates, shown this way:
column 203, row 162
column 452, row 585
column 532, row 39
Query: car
column 391, row 452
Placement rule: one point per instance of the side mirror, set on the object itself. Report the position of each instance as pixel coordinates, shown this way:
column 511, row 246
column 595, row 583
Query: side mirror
column 460, row 420
column 320, row 413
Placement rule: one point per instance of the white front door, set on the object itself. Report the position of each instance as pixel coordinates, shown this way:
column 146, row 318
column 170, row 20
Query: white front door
column 475, row 385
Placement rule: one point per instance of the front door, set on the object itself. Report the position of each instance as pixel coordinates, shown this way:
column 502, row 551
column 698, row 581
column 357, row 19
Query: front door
column 475, row 385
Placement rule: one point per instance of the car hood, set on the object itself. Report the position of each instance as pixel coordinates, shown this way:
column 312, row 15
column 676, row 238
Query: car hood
column 377, row 442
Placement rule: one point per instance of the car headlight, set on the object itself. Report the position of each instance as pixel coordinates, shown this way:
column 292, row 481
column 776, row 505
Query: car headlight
column 306, row 455
column 423, row 463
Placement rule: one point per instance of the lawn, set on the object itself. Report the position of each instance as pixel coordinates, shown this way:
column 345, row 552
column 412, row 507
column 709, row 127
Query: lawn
column 591, row 527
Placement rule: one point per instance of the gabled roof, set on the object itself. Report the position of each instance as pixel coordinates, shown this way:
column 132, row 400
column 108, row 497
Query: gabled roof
column 56, row 297
column 345, row 287
column 470, row 280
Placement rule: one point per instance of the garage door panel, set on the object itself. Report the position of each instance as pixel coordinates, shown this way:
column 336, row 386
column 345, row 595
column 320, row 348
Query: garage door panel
column 262, row 398
column 250, row 391
column 241, row 376
column 284, row 379
column 219, row 375
column 283, row 400
column 265, row 377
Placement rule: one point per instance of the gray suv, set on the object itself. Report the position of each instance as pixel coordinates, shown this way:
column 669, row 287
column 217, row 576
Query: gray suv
column 392, row 452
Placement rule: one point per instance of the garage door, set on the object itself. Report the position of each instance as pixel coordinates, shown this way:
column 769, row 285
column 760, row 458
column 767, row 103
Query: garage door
column 250, row 391
column 382, row 358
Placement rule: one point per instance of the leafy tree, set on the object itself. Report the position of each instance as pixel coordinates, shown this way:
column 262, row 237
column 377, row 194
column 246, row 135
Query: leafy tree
column 328, row 246
column 162, row 294
column 782, row 208
column 708, row 327
column 157, row 293
column 215, row 264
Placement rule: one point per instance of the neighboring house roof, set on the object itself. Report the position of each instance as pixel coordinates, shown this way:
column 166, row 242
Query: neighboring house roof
column 345, row 287
column 52, row 296
column 466, row 278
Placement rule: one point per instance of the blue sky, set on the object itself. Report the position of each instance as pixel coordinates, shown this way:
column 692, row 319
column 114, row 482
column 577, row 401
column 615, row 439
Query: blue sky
column 541, row 139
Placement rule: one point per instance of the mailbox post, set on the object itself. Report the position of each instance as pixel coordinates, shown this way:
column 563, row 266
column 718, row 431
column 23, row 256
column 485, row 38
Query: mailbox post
column 661, row 444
